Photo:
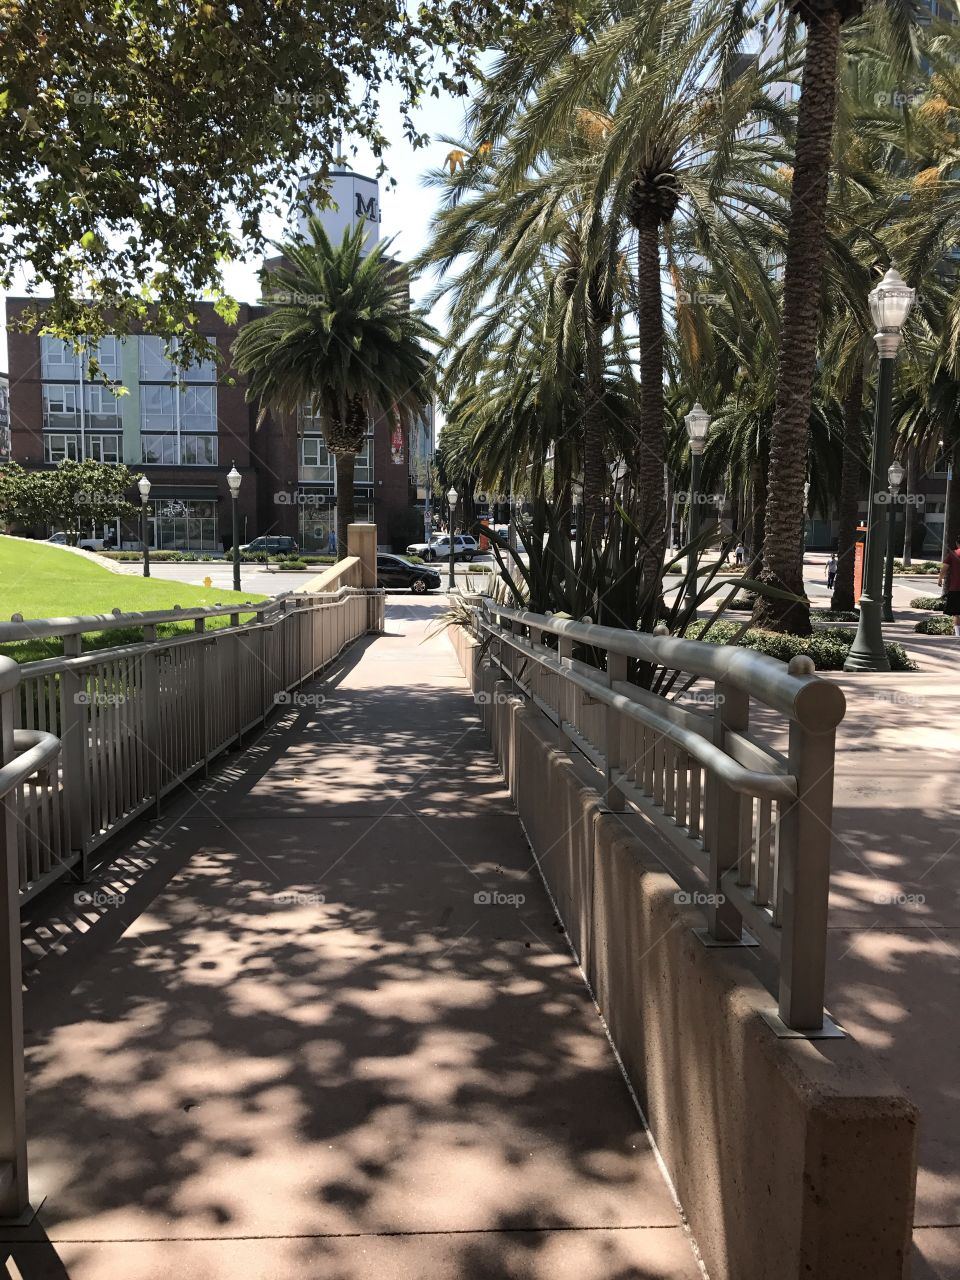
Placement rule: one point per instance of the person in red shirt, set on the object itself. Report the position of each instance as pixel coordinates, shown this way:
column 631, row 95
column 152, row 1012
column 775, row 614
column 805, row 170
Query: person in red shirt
column 950, row 581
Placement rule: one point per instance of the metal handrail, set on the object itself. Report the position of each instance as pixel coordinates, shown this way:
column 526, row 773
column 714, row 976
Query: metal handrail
column 804, row 698
column 35, row 749
column 754, row 825
column 745, row 781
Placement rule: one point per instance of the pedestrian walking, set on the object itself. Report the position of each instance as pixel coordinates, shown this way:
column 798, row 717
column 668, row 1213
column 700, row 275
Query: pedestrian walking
column 739, row 554
column 831, row 571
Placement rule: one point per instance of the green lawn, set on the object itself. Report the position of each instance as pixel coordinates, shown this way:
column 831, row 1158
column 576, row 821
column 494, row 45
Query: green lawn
column 42, row 581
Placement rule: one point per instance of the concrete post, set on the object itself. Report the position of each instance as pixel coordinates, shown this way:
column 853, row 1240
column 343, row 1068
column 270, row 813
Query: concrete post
column 362, row 543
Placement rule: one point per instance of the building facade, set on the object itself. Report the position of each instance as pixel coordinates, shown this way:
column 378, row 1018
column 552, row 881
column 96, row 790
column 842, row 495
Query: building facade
column 184, row 429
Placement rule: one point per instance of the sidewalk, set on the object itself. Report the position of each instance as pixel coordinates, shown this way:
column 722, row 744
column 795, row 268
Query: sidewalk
column 295, row 1044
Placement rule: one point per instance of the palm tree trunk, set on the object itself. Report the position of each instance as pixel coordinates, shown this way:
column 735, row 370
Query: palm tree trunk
column 594, row 462
column 951, row 516
column 346, row 463
column 909, row 509
column 783, row 558
column 850, row 473
column 649, row 465
column 758, row 515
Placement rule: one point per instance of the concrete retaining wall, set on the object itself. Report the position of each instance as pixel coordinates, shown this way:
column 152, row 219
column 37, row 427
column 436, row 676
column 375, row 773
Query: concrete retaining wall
column 791, row 1158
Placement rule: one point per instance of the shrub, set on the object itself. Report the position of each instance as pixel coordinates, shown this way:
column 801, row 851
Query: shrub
column 291, row 564
column 935, row 626
column 835, row 615
column 924, row 568
column 828, row 647
column 927, row 602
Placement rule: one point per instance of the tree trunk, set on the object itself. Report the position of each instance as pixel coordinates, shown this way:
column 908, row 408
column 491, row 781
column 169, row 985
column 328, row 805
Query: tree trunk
column 782, row 559
column 594, row 460
column 346, row 463
column 652, row 450
column 758, row 515
column 951, row 516
column 909, row 507
column 850, row 474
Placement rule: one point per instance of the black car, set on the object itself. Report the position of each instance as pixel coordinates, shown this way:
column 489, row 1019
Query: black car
column 273, row 545
column 394, row 571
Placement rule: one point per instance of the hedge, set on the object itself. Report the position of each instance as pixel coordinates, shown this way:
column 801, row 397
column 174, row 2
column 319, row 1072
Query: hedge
column 935, row 626
column 927, row 602
column 828, row 647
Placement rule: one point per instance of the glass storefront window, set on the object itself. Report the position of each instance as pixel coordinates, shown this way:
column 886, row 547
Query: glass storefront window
column 183, row 524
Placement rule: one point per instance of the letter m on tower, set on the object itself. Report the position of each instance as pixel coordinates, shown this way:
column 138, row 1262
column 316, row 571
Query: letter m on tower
column 367, row 208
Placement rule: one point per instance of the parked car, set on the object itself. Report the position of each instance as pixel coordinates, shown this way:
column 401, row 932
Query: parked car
column 86, row 544
column 394, row 571
column 272, row 545
column 465, row 547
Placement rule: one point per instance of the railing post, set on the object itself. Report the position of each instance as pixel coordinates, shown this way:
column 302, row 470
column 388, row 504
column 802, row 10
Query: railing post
column 724, row 924
column 806, row 830
column 75, row 773
column 616, row 672
column 153, row 745
column 14, row 1191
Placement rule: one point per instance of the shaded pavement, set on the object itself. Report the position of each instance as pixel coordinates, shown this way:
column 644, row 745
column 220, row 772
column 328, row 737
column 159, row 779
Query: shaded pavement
column 292, row 1036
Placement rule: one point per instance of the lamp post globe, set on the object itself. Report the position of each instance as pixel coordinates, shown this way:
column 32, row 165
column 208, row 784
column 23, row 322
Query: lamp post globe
column 233, row 484
column 890, row 304
column 698, row 426
column 452, row 497
column 143, row 485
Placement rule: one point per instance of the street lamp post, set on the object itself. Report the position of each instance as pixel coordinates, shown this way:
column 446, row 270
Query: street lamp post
column 890, row 304
column 895, row 476
column 233, row 483
column 452, row 497
column 698, row 424
column 143, row 484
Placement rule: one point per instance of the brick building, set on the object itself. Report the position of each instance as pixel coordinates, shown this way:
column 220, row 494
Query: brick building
column 184, row 430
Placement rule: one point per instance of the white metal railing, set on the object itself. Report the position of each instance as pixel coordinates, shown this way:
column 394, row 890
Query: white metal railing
column 138, row 719
column 747, row 828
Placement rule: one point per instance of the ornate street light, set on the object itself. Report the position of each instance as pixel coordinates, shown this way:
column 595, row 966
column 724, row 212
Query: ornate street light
column 452, row 497
column 890, row 304
column 698, row 425
column 143, row 484
column 233, row 484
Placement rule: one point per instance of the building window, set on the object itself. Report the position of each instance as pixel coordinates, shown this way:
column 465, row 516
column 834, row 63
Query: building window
column 316, row 464
column 158, row 409
column 104, row 448
column 157, row 450
column 101, row 409
column 107, row 354
column 202, row 371
column 61, row 407
column 59, row 360
column 183, row 524
column 57, row 447
column 363, row 468
column 198, row 451
column 198, row 409
column 155, row 365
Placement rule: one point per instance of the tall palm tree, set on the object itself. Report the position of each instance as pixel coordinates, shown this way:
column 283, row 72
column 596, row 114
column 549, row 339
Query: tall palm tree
column 802, row 281
column 341, row 339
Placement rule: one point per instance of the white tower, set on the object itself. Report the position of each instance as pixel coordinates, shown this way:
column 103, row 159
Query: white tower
column 353, row 197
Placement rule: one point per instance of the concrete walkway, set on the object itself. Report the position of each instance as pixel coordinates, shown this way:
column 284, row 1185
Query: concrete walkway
column 291, row 1037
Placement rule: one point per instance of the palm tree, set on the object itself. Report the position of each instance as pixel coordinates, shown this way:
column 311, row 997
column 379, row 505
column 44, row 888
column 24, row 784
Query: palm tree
column 342, row 340
column 802, row 282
